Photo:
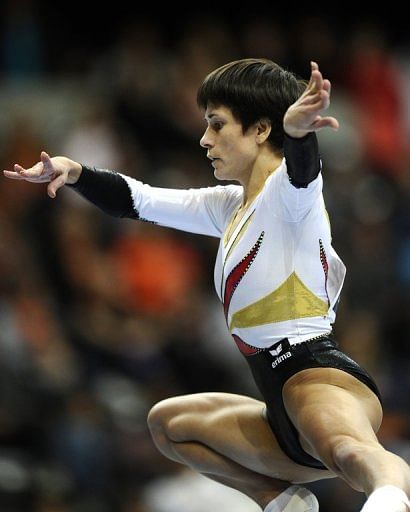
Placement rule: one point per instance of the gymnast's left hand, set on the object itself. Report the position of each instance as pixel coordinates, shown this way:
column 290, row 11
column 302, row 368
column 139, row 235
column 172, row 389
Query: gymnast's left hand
column 305, row 115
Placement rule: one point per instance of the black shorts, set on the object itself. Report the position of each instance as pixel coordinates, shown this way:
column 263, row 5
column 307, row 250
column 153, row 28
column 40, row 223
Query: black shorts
column 272, row 371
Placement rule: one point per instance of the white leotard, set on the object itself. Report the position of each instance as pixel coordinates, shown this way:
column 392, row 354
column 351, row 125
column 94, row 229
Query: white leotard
column 277, row 274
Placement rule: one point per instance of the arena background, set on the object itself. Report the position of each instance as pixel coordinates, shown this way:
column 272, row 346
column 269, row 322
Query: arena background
column 100, row 317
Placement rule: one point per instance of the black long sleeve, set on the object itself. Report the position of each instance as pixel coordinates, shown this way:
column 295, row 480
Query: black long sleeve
column 302, row 159
column 107, row 190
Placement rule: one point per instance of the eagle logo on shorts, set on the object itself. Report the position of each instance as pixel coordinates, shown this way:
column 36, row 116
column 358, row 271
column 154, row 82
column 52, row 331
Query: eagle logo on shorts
column 276, row 351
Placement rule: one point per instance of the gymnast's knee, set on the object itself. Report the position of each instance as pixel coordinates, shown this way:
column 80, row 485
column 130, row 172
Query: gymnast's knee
column 349, row 451
column 346, row 452
column 158, row 417
column 158, row 421
column 165, row 417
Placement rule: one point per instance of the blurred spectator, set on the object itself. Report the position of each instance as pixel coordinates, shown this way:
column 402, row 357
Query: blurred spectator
column 158, row 271
column 373, row 78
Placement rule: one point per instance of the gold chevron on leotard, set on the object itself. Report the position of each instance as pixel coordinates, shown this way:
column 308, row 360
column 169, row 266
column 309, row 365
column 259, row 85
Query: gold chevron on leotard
column 290, row 301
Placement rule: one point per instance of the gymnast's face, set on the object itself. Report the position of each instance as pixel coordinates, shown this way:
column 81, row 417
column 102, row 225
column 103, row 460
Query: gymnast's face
column 232, row 152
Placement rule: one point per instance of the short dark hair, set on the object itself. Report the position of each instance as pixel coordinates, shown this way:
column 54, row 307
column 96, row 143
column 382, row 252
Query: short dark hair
column 253, row 89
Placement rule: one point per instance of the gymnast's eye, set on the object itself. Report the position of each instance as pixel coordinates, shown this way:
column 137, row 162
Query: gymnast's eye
column 216, row 125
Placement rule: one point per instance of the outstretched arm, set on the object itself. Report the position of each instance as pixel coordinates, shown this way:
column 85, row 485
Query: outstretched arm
column 203, row 210
column 106, row 189
column 302, row 119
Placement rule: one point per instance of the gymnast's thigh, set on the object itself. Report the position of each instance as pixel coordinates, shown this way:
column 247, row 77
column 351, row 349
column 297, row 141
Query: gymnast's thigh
column 234, row 426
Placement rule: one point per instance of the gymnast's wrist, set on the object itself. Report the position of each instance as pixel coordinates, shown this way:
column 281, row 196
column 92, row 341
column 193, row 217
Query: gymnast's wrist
column 75, row 170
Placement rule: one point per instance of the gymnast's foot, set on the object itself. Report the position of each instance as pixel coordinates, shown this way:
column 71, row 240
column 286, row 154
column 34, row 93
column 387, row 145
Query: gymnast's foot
column 387, row 499
column 294, row 499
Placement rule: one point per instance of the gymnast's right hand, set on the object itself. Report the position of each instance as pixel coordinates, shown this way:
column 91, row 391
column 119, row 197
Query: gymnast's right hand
column 57, row 172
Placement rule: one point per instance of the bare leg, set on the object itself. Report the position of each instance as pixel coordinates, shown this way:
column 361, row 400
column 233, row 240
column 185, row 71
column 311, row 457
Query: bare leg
column 227, row 438
column 337, row 417
column 260, row 488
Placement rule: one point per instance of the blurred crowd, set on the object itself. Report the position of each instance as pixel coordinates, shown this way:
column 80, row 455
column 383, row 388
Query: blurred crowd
column 100, row 317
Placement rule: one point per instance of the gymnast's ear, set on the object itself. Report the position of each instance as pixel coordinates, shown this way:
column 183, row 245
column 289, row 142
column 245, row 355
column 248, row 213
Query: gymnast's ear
column 263, row 129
